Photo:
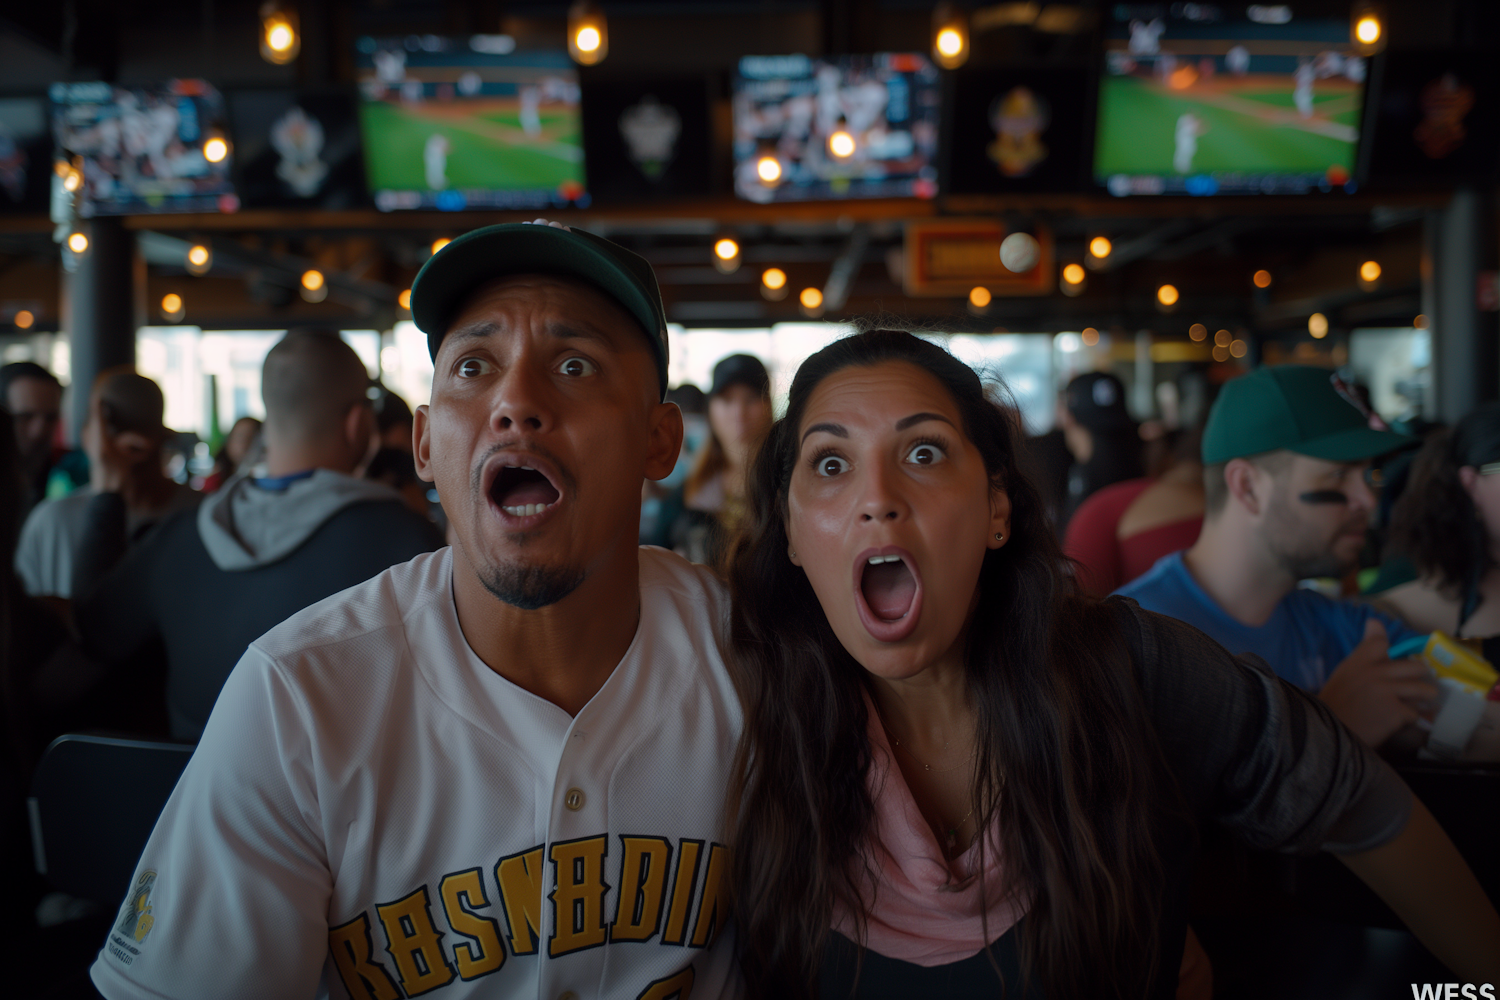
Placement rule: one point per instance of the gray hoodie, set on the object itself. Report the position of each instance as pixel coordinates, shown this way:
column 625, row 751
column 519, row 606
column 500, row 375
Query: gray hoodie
column 244, row 526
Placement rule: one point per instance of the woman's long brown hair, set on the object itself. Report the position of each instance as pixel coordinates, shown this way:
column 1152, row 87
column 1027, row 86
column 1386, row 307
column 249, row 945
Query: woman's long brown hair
column 1066, row 762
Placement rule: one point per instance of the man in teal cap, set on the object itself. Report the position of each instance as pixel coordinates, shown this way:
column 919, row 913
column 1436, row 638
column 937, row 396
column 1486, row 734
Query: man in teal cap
column 496, row 770
column 1286, row 457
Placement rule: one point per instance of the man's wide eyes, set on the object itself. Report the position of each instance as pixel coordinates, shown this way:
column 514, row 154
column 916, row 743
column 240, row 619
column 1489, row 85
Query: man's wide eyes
column 473, row 368
column 578, row 367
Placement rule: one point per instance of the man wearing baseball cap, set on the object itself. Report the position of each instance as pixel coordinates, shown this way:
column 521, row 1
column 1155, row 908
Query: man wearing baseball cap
column 495, row 770
column 1286, row 456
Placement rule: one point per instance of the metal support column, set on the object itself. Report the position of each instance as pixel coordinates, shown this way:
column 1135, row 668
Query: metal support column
column 102, row 311
column 1463, row 363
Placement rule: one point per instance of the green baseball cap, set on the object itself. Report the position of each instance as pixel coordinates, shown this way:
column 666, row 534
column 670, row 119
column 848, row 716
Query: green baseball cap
column 1293, row 407
column 455, row 271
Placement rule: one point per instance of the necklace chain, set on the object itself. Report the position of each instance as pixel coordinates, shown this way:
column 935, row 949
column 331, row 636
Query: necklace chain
column 951, row 833
column 926, row 766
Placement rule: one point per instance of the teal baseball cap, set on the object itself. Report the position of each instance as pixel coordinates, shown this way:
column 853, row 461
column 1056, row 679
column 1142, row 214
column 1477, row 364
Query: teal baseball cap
column 1299, row 408
column 460, row 267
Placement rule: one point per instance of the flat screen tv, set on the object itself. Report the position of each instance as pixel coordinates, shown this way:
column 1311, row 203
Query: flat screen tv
column 647, row 139
column 456, row 123
column 25, row 155
column 142, row 148
column 297, row 149
column 838, row 127
column 1015, row 130
column 1200, row 99
column 1434, row 118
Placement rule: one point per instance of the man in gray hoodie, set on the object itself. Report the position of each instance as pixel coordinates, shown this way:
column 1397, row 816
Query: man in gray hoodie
column 285, row 535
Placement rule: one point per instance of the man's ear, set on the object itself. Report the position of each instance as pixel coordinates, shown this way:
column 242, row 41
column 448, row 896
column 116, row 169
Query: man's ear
column 421, row 430
column 359, row 429
column 1245, row 485
column 665, row 440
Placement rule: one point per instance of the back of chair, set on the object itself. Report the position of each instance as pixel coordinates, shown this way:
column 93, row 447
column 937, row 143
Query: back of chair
column 94, row 801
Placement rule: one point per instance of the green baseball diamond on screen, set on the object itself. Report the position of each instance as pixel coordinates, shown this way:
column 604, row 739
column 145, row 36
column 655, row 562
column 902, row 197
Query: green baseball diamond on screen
column 488, row 149
column 1246, row 126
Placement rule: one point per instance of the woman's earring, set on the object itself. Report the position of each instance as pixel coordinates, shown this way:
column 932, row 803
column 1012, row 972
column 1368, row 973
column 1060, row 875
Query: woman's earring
column 999, row 537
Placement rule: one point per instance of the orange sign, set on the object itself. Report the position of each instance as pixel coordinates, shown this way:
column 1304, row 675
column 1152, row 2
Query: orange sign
column 950, row 257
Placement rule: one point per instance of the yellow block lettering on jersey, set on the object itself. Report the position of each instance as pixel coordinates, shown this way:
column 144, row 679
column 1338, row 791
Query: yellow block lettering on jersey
column 463, row 893
column 643, row 884
column 353, row 955
column 709, row 907
column 578, row 900
column 520, row 879
column 688, row 855
column 415, row 943
column 674, row 987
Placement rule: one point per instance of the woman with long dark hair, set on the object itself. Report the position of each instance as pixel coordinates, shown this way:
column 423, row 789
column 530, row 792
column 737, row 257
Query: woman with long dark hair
column 956, row 770
column 1447, row 522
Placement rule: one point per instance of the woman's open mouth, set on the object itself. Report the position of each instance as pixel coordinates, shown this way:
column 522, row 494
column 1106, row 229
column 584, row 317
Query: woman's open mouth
column 888, row 592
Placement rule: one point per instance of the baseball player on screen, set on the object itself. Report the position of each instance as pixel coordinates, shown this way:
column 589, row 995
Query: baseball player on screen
column 496, row 770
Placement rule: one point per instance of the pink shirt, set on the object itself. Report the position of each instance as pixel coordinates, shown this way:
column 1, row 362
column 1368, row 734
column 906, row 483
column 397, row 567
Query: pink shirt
column 925, row 910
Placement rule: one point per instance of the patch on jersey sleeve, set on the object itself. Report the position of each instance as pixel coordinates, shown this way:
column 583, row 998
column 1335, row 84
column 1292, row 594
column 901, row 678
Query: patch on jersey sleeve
column 136, row 920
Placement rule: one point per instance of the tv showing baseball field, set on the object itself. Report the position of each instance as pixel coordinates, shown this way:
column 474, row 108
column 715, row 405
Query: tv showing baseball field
column 1198, row 99
column 456, row 123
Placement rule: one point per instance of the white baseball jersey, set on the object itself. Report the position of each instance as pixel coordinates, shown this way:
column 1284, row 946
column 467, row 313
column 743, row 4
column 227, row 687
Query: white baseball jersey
column 374, row 813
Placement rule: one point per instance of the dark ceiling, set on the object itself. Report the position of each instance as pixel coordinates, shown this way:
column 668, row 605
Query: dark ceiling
column 1209, row 248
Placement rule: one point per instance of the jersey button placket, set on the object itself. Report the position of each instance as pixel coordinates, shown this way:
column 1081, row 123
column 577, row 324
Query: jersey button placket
column 574, row 799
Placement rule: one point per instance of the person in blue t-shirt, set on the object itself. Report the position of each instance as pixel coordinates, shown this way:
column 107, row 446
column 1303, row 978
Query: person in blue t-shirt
column 1285, row 456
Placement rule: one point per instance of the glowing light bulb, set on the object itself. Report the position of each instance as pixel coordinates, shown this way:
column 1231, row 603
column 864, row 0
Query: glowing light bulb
column 1073, row 274
column 404, row 299
column 979, row 297
column 726, row 249
column 439, row 243
column 810, row 298
column 774, row 278
column 1262, row 279
column 1167, row 295
column 23, row 319
column 1317, row 325
column 215, row 149
column 950, row 42
column 280, row 36
column 587, row 39
column 1367, row 29
column 312, row 280
column 279, row 41
column 841, row 144
column 1100, row 247
column 1369, row 272
column 171, row 305
column 72, row 180
column 198, row 255
column 78, row 242
column 768, row 169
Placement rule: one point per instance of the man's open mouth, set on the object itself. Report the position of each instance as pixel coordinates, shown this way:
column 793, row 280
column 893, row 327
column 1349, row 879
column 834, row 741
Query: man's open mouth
column 522, row 490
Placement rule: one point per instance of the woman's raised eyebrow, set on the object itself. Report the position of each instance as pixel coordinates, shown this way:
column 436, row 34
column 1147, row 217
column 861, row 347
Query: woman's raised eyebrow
column 837, row 430
column 917, row 418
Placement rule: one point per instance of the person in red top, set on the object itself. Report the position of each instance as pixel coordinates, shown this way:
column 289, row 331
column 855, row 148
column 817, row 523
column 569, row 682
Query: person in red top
column 1121, row 531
